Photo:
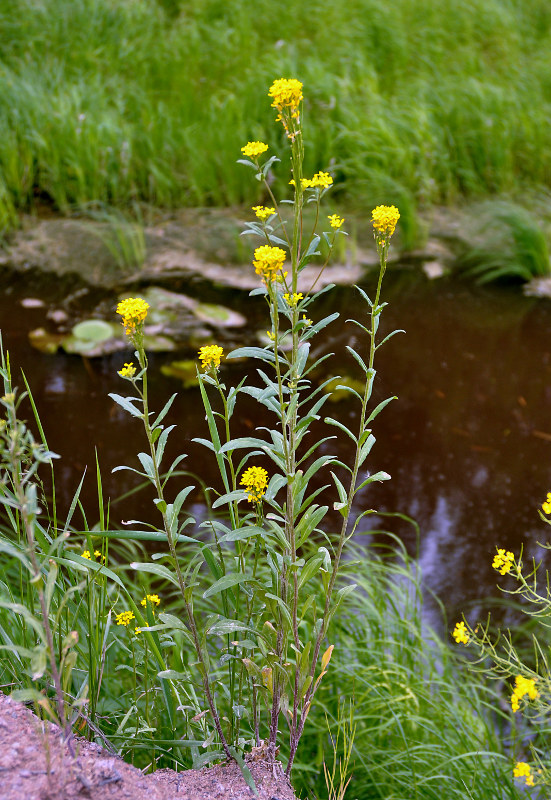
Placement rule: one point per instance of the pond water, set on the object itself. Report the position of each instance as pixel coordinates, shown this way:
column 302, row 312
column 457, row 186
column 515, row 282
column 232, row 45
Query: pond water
column 467, row 442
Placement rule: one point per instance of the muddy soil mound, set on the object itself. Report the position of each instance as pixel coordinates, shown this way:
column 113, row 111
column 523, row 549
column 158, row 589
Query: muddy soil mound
column 35, row 764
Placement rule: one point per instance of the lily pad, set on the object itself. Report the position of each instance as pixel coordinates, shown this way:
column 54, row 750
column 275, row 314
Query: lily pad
column 336, row 395
column 219, row 316
column 93, row 330
column 186, row 371
column 45, row 342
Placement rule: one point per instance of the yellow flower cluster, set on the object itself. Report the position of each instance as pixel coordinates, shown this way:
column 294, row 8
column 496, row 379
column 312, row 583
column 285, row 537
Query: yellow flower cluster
column 210, row 356
column 254, row 149
column 523, row 686
column 335, row 221
column 124, row 618
column 268, row 261
column 292, row 299
column 263, row 212
column 255, row 481
column 128, row 371
column 522, row 770
column 97, row 554
column 153, row 599
column 133, row 311
column 321, row 180
column 503, row 561
column 547, row 505
column 460, row 633
column 384, row 219
column 286, row 93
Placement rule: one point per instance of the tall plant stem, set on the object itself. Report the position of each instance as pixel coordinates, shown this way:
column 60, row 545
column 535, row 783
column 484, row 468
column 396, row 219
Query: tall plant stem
column 375, row 311
column 181, row 582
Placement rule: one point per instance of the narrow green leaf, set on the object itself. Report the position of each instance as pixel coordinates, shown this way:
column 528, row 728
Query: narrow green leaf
column 337, row 424
column 225, row 582
column 155, row 569
column 252, row 352
column 166, row 408
column 126, row 403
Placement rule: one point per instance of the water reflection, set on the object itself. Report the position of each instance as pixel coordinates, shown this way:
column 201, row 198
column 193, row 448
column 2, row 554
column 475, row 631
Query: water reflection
column 467, row 442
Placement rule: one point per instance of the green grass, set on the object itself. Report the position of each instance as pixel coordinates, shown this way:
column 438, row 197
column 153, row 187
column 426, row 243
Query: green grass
column 121, row 101
column 425, row 728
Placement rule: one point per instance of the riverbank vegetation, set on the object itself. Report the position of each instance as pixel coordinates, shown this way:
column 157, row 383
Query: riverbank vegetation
column 146, row 101
column 260, row 627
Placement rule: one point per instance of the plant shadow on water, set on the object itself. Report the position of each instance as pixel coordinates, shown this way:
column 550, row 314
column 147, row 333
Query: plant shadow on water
column 466, row 443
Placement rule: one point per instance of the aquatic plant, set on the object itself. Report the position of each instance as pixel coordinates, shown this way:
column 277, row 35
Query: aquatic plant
column 508, row 244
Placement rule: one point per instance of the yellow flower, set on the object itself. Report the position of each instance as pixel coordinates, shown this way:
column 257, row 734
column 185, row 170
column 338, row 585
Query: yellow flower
column 307, row 322
column 460, row 633
column 128, row 371
column 124, row 618
column 286, row 93
column 133, row 311
column 523, row 686
column 384, row 219
column 503, row 561
column 254, row 149
column 292, row 299
column 547, row 505
column 522, row 770
column 137, row 631
column 263, row 212
column 153, row 599
column 268, row 261
column 335, row 221
column 322, row 180
column 97, row 554
column 86, row 554
column 210, row 356
column 255, row 481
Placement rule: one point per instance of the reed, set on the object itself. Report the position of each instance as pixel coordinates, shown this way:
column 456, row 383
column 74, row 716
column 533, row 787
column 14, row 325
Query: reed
column 147, row 101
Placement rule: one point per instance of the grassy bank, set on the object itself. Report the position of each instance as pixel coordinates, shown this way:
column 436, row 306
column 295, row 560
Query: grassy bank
column 137, row 100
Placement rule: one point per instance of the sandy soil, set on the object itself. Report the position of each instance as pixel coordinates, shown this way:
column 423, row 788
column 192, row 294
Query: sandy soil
column 36, row 765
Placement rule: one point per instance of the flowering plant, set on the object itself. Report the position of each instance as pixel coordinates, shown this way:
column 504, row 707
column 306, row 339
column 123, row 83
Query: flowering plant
column 527, row 675
column 260, row 633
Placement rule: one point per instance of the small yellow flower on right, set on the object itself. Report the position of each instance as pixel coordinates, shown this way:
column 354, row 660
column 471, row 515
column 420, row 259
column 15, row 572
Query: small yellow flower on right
column 460, row 633
column 210, row 356
column 254, row 149
column 384, row 219
column 128, row 371
column 547, row 504
column 286, row 93
column 503, row 561
column 293, row 299
column 152, row 599
column 255, row 481
column 263, row 212
column 335, row 221
column 268, row 261
column 522, row 770
column 523, row 686
column 133, row 311
column 124, row 618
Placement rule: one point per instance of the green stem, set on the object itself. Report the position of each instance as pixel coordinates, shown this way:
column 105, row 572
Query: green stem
column 375, row 311
column 181, row 582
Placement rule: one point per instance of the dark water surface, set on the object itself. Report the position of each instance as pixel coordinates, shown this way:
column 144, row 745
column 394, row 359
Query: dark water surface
column 467, row 443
